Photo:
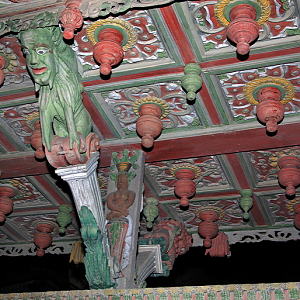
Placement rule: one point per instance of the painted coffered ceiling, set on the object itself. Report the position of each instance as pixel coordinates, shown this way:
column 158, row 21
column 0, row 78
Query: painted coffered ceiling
column 218, row 132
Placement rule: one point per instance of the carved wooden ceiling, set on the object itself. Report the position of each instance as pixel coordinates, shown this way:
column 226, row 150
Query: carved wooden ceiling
column 218, row 132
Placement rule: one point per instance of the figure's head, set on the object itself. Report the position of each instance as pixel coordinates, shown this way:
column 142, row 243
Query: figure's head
column 38, row 47
column 122, row 181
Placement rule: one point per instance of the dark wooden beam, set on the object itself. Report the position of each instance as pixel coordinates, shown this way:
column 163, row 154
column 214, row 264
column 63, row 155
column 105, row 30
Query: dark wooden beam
column 24, row 163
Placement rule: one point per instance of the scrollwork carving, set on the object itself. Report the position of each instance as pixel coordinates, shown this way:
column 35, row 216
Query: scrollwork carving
column 44, row 19
column 121, row 103
column 94, row 8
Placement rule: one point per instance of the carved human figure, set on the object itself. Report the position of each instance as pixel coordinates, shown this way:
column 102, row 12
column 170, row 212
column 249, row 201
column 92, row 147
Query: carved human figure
column 53, row 67
column 120, row 200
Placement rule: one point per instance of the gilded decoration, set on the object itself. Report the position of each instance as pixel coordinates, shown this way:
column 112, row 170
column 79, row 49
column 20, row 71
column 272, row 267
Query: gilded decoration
column 275, row 156
column 195, row 169
column 290, row 204
column 129, row 34
column 151, row 100
column 281, row 83
column 264, row 15
column 216, row 209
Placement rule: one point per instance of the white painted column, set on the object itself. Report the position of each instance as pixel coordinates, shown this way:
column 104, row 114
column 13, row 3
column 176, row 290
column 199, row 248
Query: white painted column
column 83, row 182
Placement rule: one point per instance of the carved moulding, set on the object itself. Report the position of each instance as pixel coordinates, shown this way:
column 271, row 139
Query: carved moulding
column 31, row 20
column 269, row 94
column 96, row 8
column 256, row 236
column 30, row 249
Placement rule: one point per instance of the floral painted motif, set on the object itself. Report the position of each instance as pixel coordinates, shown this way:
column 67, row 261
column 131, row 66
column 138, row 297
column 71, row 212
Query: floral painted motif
column 21, row 119
column 230, row 213
column 265, row 162
column 283, row 22
column 148, row 46
column 27, row 194
column 28, row 225
column 280, row 208
column 233, row 84
column 121, row 103
column 15, row 72
column 211, row 175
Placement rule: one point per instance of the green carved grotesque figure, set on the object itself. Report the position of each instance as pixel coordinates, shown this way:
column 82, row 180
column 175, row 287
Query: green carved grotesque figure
column 53, row 67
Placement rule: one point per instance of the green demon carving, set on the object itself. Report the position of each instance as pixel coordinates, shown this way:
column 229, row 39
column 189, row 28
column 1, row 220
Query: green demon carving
column 53, row 67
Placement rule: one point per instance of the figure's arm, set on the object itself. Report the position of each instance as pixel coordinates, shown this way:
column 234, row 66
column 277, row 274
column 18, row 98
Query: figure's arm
column 46, row 117
column 113, row 207
column 130, row 199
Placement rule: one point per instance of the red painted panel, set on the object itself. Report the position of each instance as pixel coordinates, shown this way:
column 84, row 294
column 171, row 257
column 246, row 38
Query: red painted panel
column 209, row 105
column 17, row 96
column 6, row 142
column 178, row 34
column 252, row 57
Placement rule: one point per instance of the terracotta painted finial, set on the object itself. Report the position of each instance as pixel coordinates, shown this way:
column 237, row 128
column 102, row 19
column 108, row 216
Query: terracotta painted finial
column 7, row 191
column 36, row 140
column 242, row 20
column 296, row 208
column 289, row 174
column 111, row 37
column 269, row 94
column 71, row 18
column 208, row 229
column 43, row 238
column 2, row 66
column 185, row 187
column 149, row 125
